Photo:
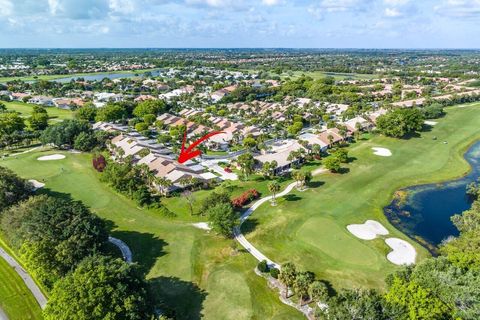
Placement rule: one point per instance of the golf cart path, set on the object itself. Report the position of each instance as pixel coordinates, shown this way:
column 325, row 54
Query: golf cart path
column 31, row 285
column 126, row 252
column 3, row 315
column 241, row 238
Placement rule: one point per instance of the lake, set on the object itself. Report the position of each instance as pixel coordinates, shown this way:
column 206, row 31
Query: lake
column 423, row 212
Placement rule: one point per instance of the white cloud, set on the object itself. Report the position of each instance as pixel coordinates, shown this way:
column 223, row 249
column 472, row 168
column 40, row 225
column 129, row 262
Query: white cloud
column 73, row 9
column 396, row 2
column 392, row 13
column 270, row 2
column 6, row 8
column 459, row 8
column 340, row 5
column 122, row 6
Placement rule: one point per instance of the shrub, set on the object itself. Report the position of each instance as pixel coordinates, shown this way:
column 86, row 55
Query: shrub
column 99, row 163
column 263, row 266
column 245, row 198
column 274, row 272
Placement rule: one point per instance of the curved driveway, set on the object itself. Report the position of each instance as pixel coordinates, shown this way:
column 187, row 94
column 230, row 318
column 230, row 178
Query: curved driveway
column 240, row 237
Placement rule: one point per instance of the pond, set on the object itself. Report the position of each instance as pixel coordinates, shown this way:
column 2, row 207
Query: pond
column 423, row 212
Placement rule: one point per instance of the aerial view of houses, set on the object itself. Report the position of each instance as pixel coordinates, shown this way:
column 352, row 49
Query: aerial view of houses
column 234, row 173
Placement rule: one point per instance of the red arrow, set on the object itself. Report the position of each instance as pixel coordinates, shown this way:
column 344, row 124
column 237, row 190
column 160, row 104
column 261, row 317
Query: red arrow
column 190, row 153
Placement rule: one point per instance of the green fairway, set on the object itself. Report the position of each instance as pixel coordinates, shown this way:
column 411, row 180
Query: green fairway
column 25, row 109
column 189, row 269
column 15, row 298
column 309, row 228
column 336, row 75
column 61, row 76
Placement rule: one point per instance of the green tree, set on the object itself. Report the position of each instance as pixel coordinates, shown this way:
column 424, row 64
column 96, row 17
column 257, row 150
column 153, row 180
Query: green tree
column 63, row 134
column 111, row 112
column 332, row 163
column 418, row 302
column 274, row 187
column 85, row 141
column 318, row 291
column 302, row 283
column 13, row 189
column 149, row 107
column 214, row 198
column 100, row 288
column 222, row 219
column 53, row 235
column 287, row 276
column 246, row 163
column 39, row 119
column 341, row 154
column 10, row 122
column 88, row 112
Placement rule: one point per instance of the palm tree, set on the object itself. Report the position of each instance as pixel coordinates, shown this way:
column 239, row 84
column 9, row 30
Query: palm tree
column 330, row 140
column 287, row 276
column 164, row 184
column 274, row 187
column 307, row 177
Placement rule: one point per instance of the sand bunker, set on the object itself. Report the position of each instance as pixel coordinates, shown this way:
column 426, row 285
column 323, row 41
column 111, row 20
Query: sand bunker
column 36, row 184
column 430, row 123
column 52, row 157
column 403, row 253
column 202, row 225
column 382, row 152
column 367, row 231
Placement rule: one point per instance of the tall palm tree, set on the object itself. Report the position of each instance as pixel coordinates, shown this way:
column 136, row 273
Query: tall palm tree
column 164, row 184
column 274, row 187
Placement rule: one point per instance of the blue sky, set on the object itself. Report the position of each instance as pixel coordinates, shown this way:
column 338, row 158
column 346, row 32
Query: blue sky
column 241, row 23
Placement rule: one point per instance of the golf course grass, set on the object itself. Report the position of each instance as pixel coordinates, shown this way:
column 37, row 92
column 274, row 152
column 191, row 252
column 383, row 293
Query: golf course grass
column 309, row 228
column 189, row 269
column 55, row 114
column 61, row 76
column 15, row 298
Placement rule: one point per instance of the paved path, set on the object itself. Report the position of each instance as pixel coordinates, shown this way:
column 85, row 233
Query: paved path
column 3, row 315
column 244, row 242
column 126, row 252
column 31, row 285
column 26, row 151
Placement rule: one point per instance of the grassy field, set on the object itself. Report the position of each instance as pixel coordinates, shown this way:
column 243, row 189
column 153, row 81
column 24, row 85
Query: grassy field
column 336, row 75
column 309, row 228
column 195, row 272
column 25, row 109
column 15, row 298
column 60, row 76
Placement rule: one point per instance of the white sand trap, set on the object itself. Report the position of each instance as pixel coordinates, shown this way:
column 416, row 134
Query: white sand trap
column 403, row 253
column 382, row 152
column 367, row 231
column 202, row 225
column 52, row 157
column 36, row 184
column 430, row 123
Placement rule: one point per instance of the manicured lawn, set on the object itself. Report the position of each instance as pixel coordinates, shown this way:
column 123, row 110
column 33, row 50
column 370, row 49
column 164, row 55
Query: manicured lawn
column 60, row 76
column 15, row 298
column 309, row 228
column 55, row 114
column 189, row 269
column 336, row 75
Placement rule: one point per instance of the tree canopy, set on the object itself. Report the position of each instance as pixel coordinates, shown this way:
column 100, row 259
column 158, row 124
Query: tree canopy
column 100, row 288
